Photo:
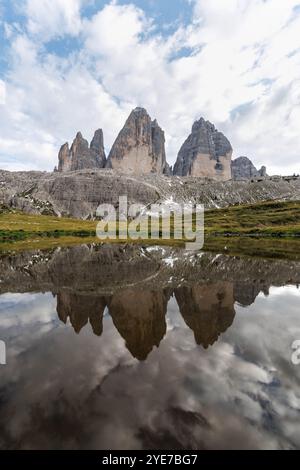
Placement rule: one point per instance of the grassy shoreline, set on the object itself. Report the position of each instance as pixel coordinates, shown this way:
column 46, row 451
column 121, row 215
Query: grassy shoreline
column 269, row 229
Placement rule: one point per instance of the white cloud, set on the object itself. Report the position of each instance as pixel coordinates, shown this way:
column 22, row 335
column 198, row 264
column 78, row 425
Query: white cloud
column 2, row 92
column 50, row 18
column 237, row 63
column 48, row 100
column 115, row 29
column 242, row 58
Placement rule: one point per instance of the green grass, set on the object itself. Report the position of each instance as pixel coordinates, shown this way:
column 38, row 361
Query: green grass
column 269, row 219
column 267, row 229
column 15, row 221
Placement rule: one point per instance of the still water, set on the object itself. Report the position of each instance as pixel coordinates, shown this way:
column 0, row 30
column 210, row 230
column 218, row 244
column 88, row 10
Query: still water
column 131, row 348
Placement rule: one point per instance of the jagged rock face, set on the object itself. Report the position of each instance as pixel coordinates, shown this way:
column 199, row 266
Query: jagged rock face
column 97, row 149
column 139, row 147
column 64, row 158
column 243, row 168
column 80, row 153
column 205, row 153
column 82, row 156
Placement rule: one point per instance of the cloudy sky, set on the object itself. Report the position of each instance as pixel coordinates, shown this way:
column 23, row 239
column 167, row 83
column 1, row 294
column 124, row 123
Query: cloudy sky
column 243, row 392
column 69, row 65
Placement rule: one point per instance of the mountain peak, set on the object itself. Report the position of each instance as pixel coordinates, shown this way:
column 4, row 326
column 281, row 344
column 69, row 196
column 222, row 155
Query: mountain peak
column 140, row 146
column 205, row 153
column 82, row 156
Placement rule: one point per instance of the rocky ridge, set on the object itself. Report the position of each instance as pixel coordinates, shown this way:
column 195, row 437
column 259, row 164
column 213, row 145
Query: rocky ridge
column 81, row 155
column 243, row 168
column 78, row 194
column 139, row 149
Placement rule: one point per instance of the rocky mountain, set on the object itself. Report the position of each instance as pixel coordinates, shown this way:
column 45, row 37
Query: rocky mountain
column 139, row 147
column 205, row 153
column 243, row 168
column 81, row 155
column 79, row 193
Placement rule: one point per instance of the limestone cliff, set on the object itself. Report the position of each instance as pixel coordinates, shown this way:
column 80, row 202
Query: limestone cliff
column 243, row 168
column 139, row 147
column 82, row 156
column 205, row 153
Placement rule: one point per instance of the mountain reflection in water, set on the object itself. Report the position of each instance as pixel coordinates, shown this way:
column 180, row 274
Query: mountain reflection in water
column 161, row 350
column 140, row 315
